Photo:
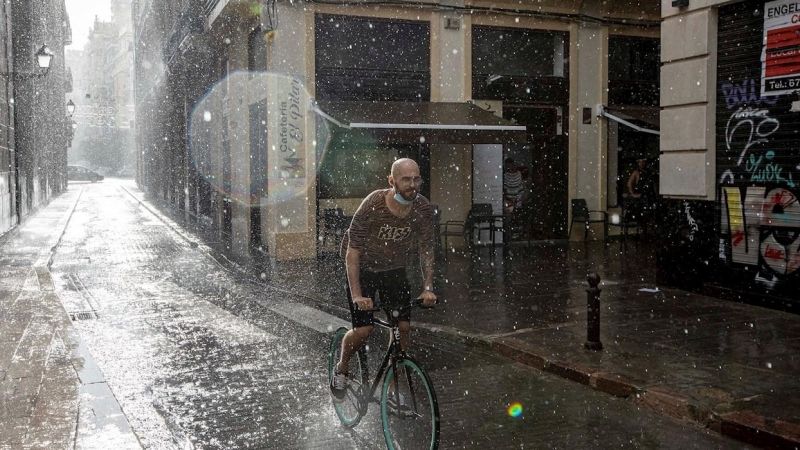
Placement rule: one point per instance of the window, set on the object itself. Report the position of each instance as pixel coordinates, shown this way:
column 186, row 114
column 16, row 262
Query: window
column 633, row 58
column 349, row 42
column 371, row 59
column 518, row 65
column 355, row 172
column 633, row 71
column 510, row 52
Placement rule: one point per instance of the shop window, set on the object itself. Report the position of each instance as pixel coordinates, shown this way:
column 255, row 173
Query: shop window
column 358, row 58
column 355, row 172
column 633, row 58
column 509, row 52
column 502, row 67
column 634, row 67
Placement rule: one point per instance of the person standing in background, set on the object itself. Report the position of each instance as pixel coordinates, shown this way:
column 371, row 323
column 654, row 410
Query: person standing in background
column 512, row 186
column 641, row 191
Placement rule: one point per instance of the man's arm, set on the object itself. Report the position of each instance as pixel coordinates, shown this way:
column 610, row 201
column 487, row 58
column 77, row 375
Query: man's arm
column 352, row 261
column 427, row 261
column 634, row 178
column 427, row 257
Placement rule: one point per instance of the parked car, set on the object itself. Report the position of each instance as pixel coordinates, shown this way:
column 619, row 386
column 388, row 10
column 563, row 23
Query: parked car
column 78, row 173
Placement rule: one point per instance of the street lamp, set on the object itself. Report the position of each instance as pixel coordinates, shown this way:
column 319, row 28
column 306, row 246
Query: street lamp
column 70, row 107
column 44, row 57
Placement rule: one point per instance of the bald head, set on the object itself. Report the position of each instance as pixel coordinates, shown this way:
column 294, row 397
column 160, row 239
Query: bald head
column 405, row 179
column 403, row 164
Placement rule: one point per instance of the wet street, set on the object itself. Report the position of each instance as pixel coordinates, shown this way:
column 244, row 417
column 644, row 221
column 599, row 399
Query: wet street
column 187, row 353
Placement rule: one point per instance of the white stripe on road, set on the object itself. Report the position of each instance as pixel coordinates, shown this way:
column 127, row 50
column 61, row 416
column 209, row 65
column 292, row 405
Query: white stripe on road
column 309, row 317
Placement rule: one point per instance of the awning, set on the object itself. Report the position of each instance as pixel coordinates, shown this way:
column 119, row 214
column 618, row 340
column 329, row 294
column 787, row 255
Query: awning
column 422, row 122
column 639, row 122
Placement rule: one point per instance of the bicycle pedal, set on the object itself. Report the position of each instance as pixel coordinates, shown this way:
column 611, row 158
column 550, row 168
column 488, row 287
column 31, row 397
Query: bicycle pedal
column 405, row 412
column 402, row 410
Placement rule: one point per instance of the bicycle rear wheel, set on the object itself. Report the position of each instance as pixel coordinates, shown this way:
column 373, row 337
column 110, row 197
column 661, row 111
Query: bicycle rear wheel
column 413, row 423
column 352, row 408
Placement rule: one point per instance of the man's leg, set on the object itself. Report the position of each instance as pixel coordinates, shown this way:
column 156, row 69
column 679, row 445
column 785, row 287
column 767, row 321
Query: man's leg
column 362, row 328
column 405, row 334
column 352, row 342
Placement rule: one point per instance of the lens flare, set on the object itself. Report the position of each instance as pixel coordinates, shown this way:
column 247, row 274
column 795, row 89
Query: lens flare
column 515, row 409
column 255, row 139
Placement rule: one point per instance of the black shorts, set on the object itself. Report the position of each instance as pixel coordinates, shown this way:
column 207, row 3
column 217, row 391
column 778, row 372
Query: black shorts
column 393, row 289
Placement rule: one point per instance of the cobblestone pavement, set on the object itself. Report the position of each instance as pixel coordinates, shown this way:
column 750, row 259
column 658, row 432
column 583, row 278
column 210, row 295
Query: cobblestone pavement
column 169, row 348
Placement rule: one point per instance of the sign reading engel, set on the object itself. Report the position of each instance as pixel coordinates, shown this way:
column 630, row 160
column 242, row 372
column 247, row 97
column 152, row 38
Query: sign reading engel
column 780, row 56
column 288, row 137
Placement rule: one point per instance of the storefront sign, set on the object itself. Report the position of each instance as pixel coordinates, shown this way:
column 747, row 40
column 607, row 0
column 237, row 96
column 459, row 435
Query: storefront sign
column 780, row 56
column 288, row 137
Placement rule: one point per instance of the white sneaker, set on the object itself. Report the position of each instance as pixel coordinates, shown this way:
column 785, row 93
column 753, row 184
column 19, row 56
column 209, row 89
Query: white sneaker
column 338, row 385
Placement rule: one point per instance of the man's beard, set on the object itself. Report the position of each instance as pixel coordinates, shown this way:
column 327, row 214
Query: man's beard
column 410, row 194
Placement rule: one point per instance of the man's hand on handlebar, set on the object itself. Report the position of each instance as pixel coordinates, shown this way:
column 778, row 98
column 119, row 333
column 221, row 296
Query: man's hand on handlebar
column 363, row 303
column 428, row 298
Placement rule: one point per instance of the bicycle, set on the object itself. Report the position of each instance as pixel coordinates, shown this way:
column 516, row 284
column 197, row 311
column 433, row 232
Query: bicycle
column 409, row 410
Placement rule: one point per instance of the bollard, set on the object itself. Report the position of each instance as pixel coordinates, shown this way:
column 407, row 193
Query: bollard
column 593, row 313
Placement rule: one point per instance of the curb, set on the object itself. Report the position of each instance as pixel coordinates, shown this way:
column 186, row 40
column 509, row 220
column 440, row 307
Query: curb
column 745, row 426
column 46, row 255
column 757, row 430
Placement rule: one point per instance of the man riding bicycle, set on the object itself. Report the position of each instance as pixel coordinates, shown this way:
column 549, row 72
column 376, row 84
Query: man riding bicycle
column 389, row 225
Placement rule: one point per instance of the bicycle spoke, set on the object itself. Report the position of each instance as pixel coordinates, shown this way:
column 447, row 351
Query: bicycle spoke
column 414, row 421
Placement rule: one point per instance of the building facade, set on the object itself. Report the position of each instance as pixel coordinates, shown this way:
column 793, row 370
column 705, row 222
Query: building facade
column 35, row 125
column 211, row 77
column 8, row 175
column 729, row 149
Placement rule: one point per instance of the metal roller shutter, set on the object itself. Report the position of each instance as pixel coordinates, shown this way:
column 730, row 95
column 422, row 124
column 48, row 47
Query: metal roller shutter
column 758, row 157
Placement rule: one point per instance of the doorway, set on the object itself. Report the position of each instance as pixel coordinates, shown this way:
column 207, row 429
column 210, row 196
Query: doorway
column 544, row 164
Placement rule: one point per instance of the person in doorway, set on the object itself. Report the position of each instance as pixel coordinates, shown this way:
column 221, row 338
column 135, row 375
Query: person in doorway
column 389, row 227
column 512, row 186
column 641, row 191
column 514, row 190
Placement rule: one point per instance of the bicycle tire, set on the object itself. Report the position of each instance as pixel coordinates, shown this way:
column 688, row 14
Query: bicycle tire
column 418, row 426
column 352, row 408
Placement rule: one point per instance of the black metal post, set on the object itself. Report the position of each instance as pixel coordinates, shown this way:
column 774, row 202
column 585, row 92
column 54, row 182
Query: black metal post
column 593, row 313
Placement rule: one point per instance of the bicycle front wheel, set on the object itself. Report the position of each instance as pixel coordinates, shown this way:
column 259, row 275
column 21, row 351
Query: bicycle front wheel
column 352, row 408
column 409, row 409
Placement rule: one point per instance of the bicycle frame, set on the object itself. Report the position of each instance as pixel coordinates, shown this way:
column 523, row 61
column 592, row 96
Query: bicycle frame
column 393, row 353
column 398, row 396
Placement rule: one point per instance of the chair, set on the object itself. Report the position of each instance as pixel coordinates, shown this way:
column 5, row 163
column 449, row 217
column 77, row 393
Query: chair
column 482, row 218
column 630, row 217
column 582, row 213
column 335, row 223
column 451, row 228
column 446, row 230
